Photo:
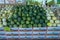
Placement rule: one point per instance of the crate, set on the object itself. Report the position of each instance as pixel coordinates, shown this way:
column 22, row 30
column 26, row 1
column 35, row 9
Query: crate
column 49, row 33
column 31, row 33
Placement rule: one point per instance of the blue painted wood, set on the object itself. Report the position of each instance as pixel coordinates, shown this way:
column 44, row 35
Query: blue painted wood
column 28, row 37
column 1, row 29
column 2, row 32
column 54, row 28
column 41, row 28
column 42, row 33
column 53, row 37
column 53, row 32
column 1, row 37
column 39, row 37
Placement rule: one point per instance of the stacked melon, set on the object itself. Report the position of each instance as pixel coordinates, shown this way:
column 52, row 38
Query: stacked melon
column 54, row 22
column 5, row 13
column 27, row 16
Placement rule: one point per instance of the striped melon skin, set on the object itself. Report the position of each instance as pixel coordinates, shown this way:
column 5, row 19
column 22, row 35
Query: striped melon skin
column 27, row 16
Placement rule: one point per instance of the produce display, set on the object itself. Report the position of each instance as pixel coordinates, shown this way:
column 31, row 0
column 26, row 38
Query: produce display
column 54, row 21
column 27, row 16
column 4, row 14
column 19, row 19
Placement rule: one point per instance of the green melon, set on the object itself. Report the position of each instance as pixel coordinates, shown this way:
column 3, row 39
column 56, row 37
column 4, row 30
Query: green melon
column 28, row 16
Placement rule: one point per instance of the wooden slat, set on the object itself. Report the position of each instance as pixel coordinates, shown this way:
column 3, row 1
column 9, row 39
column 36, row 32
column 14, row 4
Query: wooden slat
column 29, row 33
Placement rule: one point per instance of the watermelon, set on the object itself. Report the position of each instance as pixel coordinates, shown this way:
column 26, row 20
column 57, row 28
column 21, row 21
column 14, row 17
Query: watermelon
column 27, row 16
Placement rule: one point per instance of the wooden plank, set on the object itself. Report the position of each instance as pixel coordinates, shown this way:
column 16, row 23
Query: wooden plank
column 28, row 33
